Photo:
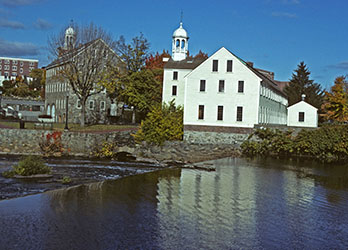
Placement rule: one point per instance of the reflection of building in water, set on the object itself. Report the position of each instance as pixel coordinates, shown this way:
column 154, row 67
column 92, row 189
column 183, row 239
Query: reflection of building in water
column 203, row 205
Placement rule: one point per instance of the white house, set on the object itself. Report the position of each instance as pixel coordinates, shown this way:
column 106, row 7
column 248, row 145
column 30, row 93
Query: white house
column 223, row 96
column 302, row 114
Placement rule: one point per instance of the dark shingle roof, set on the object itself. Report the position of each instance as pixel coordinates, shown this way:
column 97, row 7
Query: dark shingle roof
column 184, row 64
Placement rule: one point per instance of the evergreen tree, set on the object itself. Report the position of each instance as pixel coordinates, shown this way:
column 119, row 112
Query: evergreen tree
column 301, row 84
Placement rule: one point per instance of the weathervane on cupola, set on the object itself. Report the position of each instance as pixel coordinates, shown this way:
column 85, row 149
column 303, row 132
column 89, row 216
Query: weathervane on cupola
column 180, row 43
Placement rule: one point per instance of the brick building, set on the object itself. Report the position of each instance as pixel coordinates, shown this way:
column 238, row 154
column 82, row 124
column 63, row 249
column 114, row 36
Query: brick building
column 10, row 68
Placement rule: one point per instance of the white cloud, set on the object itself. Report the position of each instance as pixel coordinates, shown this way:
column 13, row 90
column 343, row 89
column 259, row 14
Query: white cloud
column 42, row 24
column 15, row 3
column 8, row 48
column 11, row 24
column 284, row 14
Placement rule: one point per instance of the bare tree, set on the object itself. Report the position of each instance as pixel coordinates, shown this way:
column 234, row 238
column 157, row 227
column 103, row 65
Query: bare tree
column 81, row 56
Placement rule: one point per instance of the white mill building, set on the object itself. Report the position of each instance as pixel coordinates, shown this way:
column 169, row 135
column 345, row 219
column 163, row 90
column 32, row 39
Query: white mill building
column 223, row 96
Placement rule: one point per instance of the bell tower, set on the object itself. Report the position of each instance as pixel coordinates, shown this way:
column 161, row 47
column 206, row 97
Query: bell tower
column 179, row 44
column 69, row 41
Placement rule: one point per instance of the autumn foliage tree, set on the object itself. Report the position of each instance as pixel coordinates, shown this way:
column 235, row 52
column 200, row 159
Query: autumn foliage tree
column 336, row 101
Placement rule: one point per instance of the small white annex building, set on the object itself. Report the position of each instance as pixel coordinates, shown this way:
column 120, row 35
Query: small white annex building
column 222, row 95
column 302, row 114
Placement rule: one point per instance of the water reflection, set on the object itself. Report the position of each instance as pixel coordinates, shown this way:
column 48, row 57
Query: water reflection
column 243, row 205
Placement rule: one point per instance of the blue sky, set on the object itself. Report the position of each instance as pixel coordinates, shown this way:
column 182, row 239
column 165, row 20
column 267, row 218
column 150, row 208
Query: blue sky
column 275, row 34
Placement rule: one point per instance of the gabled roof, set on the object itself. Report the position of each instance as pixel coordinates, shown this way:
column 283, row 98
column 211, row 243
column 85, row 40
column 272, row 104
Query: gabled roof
column 190, row 63
column 302, row 103
column 67, row 56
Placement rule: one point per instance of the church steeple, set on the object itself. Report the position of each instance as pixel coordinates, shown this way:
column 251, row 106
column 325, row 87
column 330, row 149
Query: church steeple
column 180, row 44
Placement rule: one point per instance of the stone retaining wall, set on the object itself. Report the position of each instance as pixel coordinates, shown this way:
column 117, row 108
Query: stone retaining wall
column 26, row 141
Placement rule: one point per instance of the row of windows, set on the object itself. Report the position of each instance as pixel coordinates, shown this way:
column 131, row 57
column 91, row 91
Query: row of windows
column 57, row 87
column 214, row 69
column 15, row 62
column 14, row 68
column 266, row 92
column 91, row 105
column 221, row 87
column 220, row 113
column 229, row 66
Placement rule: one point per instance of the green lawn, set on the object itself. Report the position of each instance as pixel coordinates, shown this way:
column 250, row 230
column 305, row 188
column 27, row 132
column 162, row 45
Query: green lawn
column 72, row 127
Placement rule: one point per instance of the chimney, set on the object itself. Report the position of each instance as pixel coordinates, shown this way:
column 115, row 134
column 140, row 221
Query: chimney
column 251, row 64
column 303, row 97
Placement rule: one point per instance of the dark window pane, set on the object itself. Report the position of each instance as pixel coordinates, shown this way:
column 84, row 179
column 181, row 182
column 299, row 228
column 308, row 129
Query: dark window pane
column 220, row 113
column 301, row 116
column 202, row 86
column 240, row 86
column 239, row 114
column 174, row 88
column 221, row 85
column 215, row 65
column 229, row 65
column 175, row 75
column 201, row 112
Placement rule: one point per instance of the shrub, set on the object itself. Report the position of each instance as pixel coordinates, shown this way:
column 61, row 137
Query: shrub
column 51, row 144
column 329, row 143
column 163, row 123
column 107, row 150
column 30, row 165
column 66, row 180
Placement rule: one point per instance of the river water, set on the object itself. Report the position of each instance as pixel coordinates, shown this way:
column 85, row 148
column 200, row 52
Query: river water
column 260, row 204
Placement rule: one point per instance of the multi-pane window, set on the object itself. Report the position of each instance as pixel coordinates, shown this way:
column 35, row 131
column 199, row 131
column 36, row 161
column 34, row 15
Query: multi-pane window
column 202, row 86
column 78, row 105
column 21, row 64
column 239, row 114
column 174, row 90
column 7, row 61
column 215, row 65
column 14, row 68
column 301, row 116
column 201, row 112
column 91, row 104
column 240, row 86
column 175, row 75
column 220, row 113
column 229, row 65
column 221, row 85
column 15, row 62
column 7, row 67
column 102, row 105
column 21, row 70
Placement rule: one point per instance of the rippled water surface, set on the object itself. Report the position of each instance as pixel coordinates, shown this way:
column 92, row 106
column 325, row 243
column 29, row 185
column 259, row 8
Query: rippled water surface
column 243, row 205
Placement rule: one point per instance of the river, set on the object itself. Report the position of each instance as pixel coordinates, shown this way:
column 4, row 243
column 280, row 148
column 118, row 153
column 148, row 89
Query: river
column 259, row 204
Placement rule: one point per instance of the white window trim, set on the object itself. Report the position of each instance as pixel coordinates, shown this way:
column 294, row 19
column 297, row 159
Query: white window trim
column 77, row 104
column 89, row 104
column 104, row 106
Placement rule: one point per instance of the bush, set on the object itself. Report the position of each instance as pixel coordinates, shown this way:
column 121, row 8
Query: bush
column 30, row 165
column 163, row 123
column 329, row 143
column 66, row 180
column 51, row 144
column 107, row 151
